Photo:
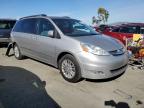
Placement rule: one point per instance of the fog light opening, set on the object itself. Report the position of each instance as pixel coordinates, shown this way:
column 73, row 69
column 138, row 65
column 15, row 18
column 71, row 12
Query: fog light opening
column 99, row 72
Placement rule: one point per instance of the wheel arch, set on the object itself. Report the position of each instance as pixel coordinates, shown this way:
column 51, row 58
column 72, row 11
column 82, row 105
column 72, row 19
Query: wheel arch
column 13, row 44
column 61, row 55
column 64, row 53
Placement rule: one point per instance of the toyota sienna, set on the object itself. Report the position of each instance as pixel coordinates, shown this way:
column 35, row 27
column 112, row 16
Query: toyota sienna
column 70, row 45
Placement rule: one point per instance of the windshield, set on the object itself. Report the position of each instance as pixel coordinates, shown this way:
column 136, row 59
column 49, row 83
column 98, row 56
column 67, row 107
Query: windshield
column 73, row 28
column 7, row 24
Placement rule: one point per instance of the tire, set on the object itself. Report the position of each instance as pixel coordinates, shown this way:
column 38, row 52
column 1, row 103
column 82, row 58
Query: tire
column 17, row 52
column 69, row 68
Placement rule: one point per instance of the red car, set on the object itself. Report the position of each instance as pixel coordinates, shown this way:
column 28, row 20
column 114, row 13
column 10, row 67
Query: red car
column 124, row 31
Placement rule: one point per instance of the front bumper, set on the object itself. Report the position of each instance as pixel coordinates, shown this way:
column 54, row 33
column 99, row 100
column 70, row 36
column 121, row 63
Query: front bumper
column 102, row 67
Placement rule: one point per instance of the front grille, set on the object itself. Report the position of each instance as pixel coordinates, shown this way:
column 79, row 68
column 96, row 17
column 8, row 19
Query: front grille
column 118, row 69
column 117, row 52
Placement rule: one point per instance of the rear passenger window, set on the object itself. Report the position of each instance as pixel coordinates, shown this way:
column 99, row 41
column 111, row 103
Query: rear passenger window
column 26, row 26
column 44, row 26
column 115, row 30
column 130, row 29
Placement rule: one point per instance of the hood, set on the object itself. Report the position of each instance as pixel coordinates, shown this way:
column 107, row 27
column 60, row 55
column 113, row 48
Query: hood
column 105, row 42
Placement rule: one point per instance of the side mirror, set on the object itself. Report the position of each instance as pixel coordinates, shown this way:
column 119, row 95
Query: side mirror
column 51, row 33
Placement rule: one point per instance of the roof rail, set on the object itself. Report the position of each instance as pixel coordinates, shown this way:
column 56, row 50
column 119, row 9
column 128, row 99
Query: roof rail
column 66, row 16
column 34, row 16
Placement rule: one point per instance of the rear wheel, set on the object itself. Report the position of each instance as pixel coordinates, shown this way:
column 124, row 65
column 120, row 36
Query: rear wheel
column 17, row 52
column 70, row 68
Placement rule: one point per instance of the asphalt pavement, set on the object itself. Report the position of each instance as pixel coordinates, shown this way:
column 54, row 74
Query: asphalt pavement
column 28, row 83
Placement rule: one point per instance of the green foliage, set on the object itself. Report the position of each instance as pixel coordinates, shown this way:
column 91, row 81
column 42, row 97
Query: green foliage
column 103, row 14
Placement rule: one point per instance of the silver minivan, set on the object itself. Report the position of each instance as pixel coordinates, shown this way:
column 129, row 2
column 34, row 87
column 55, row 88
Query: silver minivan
column 70, row 45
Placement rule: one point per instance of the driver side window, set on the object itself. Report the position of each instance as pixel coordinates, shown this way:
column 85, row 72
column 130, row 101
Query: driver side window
column 44, row 27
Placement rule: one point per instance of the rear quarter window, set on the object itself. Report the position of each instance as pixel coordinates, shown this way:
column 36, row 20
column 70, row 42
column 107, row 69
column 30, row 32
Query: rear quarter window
column 26, row 26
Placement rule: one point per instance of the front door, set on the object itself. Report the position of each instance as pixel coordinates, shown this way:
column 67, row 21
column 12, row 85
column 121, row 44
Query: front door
column 45, row 44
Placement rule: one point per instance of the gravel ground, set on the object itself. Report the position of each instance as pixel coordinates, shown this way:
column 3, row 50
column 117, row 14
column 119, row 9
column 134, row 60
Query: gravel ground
column 31, row 84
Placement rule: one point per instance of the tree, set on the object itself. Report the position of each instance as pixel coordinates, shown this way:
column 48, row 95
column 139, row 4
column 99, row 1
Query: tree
column 103, row 14
column 106, row 16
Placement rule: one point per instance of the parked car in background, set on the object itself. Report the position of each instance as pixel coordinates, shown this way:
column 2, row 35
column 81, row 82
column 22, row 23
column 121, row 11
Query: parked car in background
column 123, row 31
column 101, row 28
column 6, row 26
column 68, row 44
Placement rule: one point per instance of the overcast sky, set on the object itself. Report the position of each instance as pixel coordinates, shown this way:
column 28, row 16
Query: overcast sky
column 120, row 10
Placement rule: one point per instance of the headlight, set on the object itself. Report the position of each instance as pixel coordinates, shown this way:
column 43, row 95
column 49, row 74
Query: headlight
column 94, row 50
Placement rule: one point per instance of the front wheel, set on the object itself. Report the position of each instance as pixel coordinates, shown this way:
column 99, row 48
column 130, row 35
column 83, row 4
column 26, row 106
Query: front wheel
column 17, row 52
column 70, row 68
